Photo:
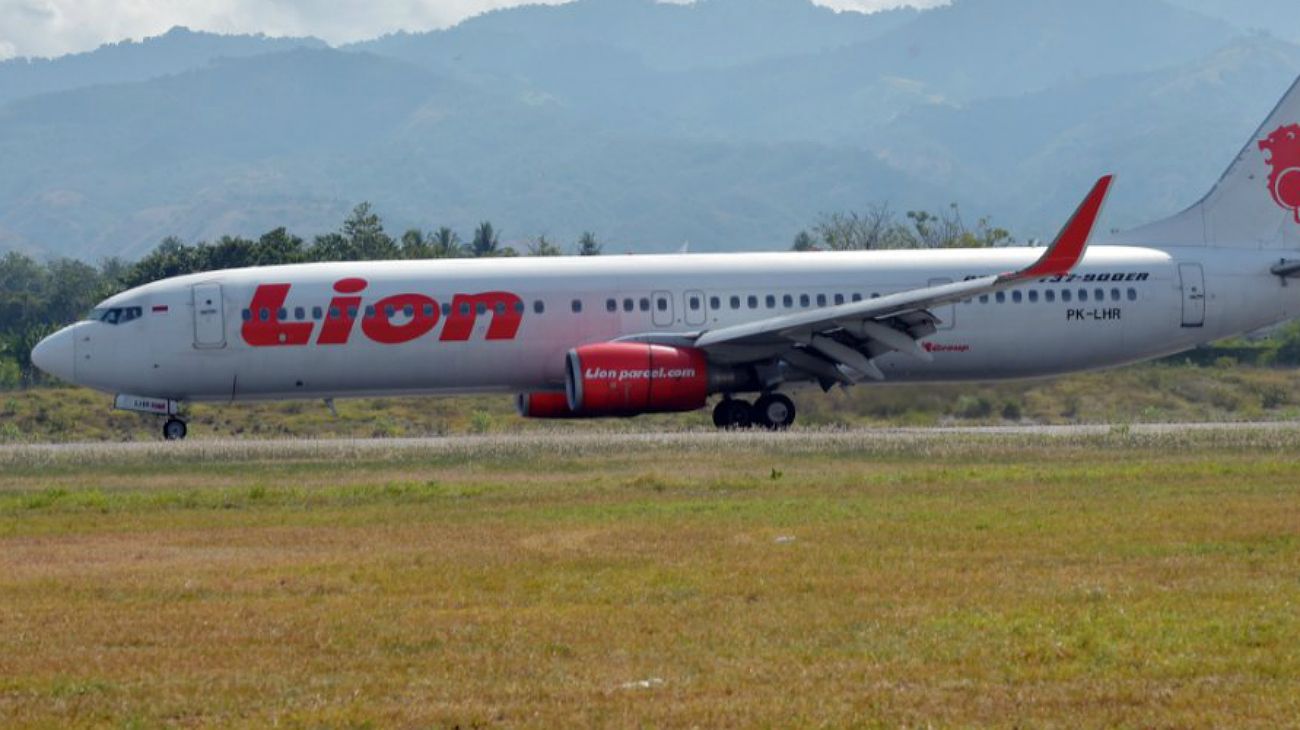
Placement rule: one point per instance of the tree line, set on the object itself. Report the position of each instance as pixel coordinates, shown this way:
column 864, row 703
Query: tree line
column 878, row 227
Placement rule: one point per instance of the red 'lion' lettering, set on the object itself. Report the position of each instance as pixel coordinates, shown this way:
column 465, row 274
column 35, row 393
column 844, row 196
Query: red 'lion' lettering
column 423, row 317
column 1283, row 156
column 263, row 328
column 418, row 315
column 507, row 312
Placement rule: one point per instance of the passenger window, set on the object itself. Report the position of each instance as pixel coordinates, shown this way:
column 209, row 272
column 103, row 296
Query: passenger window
column 1065, row 295
column 821, row 300
column 752, row 301
column 334, row 313
column 984, row 299
column 804, row 301
column 409, row 310
column 538, row 307
column 661, row 304
column 1002, row 297
column 316, row 313
column 1132, row 295
column 628, row 305
column 247, row 315
column 389, row 311
column 1083, row 295
column 1099, row 295
column 695, row 304
column 500, row 308
column 839, row 299
column 264, row 314
column 1114, row 295
column 1017, row 297
column 735, row 302
column 282, row 315
column 299, row 313
column 770, row 301
column 1050, row 295
column 858, row 298
column 787, row 301
column 645, row 305
column 576, row 306
column 370, row 311
column 611, row 305
column 715, row 303
column 1033, row 296
column 519, row 307
column 481, row 308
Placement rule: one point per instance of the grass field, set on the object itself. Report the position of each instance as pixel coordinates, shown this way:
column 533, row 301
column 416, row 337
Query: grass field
column 803, row 580
column 1157, row 392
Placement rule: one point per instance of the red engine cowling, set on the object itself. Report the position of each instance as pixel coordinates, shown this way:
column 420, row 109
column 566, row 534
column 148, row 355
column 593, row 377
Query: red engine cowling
column 544, row 405
column 628, row 378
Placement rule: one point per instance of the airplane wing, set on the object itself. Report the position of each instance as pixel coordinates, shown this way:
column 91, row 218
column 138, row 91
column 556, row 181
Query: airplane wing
column 838, row 344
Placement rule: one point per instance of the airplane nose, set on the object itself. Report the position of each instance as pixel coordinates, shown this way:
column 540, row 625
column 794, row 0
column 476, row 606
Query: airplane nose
column 55, row 355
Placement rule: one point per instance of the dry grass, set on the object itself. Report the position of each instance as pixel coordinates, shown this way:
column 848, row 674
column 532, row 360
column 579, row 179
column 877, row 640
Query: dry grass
column 835, row 579
column 1157, row 392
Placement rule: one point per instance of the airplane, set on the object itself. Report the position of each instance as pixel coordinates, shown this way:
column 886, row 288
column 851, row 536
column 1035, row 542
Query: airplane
column 592, row 337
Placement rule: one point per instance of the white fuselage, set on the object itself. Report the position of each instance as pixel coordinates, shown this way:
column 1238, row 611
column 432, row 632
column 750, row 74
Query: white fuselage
column 191, row 341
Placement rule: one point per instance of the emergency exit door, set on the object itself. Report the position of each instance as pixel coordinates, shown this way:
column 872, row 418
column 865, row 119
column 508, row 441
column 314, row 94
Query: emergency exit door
column 1193, row 283
column 209, row 317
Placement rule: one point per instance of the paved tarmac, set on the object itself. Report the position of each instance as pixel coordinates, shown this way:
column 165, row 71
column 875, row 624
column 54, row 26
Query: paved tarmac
column 578, row 439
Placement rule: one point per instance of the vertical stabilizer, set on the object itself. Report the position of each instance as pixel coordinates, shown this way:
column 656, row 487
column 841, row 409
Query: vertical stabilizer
column 1256, row 204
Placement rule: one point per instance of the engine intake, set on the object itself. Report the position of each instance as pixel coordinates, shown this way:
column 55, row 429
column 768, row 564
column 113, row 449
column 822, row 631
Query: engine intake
column 629, row 378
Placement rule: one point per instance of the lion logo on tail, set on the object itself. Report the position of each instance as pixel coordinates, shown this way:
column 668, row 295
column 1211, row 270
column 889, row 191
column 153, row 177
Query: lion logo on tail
column 1282, row 149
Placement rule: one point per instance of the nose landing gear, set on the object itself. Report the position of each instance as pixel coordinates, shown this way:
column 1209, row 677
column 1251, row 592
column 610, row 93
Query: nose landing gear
column 773, row 411
column 174, row 429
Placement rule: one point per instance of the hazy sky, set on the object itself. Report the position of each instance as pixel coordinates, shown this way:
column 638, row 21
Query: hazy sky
column 55, row 27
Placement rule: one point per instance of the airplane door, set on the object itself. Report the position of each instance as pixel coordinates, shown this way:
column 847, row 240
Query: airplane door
column 662, row 302
column 947, row 315
column 696, row 314
column 1193, row 284
column 209, row 317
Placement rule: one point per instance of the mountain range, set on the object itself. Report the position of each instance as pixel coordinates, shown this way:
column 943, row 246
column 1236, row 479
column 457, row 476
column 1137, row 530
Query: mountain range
column 728, row 124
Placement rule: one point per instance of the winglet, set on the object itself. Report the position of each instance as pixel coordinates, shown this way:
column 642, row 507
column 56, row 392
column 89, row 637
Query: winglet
column 1066, row 251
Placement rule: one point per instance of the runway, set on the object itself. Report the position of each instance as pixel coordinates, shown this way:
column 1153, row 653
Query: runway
column 579, row 440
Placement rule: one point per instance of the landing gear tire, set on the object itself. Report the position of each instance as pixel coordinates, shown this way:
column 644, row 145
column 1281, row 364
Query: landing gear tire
column 174, row 429
column 733, row 415
column 774, row 411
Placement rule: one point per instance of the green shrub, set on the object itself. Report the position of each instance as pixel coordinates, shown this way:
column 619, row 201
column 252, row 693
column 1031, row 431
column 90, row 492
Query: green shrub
column 480, row 422
column 973, row 407
column 1011, row 411
column 11, row 376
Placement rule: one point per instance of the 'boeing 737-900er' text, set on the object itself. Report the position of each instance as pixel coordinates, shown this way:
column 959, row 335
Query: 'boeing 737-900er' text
column 620, row 336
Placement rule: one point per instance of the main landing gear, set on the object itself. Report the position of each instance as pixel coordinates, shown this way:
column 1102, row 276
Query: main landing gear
column 772, row 411
column 174, row 429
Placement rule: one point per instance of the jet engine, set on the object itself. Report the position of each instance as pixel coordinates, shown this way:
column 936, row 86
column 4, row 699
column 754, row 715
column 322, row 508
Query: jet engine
column 631, row 378
column 628, row 378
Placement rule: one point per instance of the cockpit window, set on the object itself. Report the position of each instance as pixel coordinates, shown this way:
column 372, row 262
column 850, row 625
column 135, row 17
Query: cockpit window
column 115, row 315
